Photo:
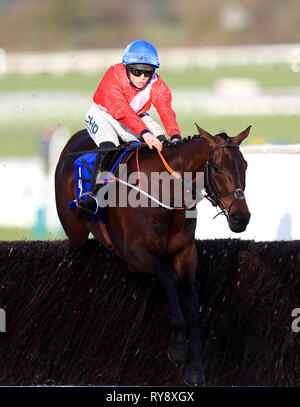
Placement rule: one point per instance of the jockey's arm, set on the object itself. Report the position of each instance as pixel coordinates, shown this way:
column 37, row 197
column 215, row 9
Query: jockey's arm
column 162, row 100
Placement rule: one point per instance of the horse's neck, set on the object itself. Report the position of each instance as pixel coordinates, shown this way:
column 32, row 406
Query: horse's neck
column 188, row 157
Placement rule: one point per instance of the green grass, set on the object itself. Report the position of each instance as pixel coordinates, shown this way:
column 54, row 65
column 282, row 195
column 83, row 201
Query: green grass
column 271, row 129
column 266, row 76
column 22, row 138
column 16, row 233
column 14, row 82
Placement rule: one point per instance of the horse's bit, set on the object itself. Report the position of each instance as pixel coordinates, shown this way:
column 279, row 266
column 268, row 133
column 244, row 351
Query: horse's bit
column 215, row 197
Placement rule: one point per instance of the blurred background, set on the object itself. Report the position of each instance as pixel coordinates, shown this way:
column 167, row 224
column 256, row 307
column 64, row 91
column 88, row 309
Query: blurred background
column 228, row 63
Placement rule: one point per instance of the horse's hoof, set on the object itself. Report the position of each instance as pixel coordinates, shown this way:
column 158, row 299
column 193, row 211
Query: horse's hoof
column 193, row 377
column 178, row 352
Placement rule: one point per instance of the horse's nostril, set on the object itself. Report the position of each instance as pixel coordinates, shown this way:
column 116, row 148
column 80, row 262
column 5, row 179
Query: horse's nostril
column 238, row 217
column 238, row 221
column 235, row 217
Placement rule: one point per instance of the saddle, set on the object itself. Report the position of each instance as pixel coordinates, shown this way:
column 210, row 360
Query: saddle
column 116, row 156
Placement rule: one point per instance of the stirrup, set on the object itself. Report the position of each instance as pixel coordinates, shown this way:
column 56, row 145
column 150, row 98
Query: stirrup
column 84, row 208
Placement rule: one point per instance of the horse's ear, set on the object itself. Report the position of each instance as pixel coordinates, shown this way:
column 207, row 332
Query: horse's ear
column 206, row 136
column 240, row 137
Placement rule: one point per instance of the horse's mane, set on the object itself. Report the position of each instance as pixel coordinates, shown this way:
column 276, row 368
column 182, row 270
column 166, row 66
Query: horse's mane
column 167, row 143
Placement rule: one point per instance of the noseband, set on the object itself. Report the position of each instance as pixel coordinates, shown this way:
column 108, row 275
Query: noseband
column 213, row 194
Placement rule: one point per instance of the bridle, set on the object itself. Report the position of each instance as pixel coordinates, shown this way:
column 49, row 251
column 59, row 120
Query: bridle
column 213, row 195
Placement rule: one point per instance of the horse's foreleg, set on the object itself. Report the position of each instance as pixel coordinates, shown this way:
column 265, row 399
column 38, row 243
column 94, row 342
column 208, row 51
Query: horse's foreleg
column 177, row 349
column 194, row 373
column 169, row 281
column 185, row 265
column 139, row 259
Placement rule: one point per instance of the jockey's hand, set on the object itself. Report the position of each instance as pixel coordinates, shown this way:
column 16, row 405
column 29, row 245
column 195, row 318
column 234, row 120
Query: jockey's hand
column 152, row 141
column 175, row 138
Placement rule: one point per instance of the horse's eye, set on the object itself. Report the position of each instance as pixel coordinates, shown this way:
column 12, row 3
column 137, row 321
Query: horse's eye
column 216, row 168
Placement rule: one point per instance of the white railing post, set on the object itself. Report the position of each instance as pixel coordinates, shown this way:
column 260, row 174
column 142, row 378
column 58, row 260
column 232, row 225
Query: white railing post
column 2, row 61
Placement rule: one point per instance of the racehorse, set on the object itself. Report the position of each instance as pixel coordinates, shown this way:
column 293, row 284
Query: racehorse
column 158, row 240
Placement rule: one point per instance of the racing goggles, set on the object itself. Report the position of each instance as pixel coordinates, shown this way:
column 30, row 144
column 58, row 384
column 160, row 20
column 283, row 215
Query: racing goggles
column 140, row 72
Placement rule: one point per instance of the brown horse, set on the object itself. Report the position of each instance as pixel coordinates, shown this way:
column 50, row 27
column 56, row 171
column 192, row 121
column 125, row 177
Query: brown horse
column 161, row 241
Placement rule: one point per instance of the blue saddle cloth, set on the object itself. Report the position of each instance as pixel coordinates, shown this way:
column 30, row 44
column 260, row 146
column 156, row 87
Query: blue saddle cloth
column 83, row 167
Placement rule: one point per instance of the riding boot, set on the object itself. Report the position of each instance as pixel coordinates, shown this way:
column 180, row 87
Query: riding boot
column 88, row 205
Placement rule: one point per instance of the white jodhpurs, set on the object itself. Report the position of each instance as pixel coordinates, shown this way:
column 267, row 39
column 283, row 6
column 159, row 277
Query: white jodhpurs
column 101, row 126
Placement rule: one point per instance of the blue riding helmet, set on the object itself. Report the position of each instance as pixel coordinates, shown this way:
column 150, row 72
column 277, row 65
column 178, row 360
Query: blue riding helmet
column 140, row 52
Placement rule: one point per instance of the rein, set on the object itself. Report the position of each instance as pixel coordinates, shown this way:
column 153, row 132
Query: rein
column 213, row 195
column 179, row 177
column 113, row 178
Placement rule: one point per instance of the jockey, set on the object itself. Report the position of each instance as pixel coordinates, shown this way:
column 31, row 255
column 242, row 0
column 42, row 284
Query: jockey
column 119, row 110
